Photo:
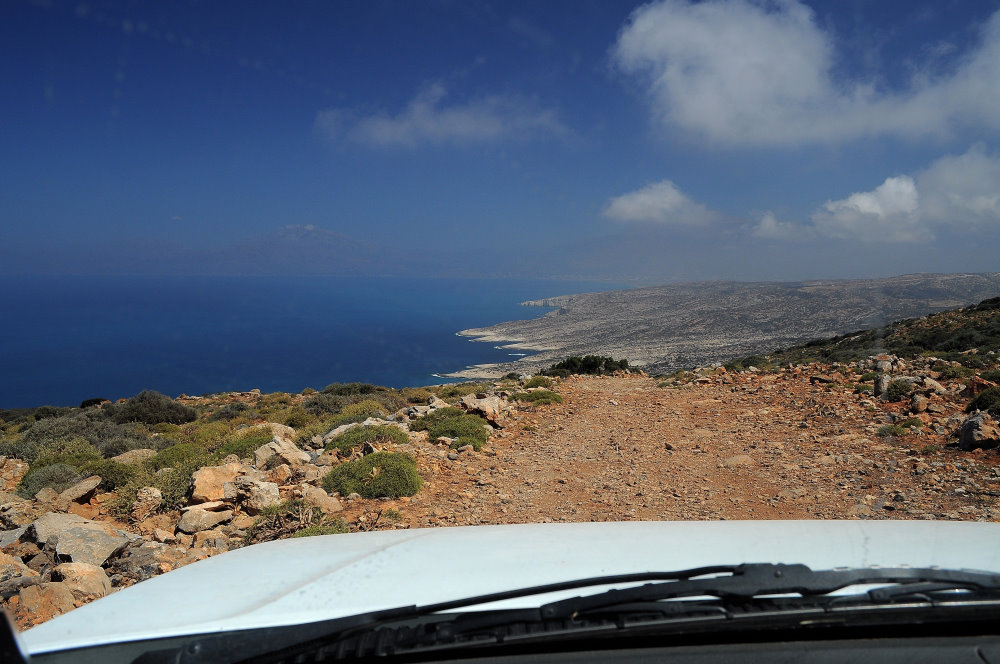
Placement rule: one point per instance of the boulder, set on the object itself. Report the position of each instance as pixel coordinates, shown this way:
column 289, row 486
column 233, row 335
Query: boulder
column 145, row 560
column 86, row 582
column 284, row 449
column 333, row 433
column 492, row 408
column 208, row 482
column 38, row 603
column 278, row 430
column 320, row 499
column 8, row 537
column 12, row 567
column 279, row 474
column 11, row 472
column 16, row 512
column 934, row 386
column 134, row 456
column 80, row 540
column 978, row 430
column 918, row 403
column 194, row 520
column 254, row 495
column 147, row 500
column 82, row 491
column 975, row 386
column 881, row 385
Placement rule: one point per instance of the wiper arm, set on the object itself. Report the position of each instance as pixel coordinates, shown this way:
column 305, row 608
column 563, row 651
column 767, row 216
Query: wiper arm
column 753, row 580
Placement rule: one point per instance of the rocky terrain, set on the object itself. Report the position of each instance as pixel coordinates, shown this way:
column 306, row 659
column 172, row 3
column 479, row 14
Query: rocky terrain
column 877, row 437
column 674, row 326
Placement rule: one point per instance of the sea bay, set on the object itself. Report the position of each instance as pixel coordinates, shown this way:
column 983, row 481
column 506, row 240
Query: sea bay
column 66, row 339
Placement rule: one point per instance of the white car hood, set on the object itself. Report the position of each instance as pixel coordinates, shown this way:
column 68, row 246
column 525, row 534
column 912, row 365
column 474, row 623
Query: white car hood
column 317, row 578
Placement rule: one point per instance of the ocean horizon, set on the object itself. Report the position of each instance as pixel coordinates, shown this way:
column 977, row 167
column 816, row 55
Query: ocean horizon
column 67, row 339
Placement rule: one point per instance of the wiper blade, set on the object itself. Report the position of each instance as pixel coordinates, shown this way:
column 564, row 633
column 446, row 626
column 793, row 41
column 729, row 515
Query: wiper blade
column 745, row 582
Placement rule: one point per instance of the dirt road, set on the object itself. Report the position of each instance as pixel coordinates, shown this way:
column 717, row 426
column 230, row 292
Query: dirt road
column 735, row 447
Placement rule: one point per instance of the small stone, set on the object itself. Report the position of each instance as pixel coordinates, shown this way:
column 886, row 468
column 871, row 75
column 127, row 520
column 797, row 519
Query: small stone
column 320, row 499
column 86, row 582
column 740, row 460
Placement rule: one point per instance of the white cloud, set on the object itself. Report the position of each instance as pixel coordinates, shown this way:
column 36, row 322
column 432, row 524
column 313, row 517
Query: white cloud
column 770, row 227
column 428, row 120
column 958, row 193
column 660, row 202
column 889, row 212
column 750, row 72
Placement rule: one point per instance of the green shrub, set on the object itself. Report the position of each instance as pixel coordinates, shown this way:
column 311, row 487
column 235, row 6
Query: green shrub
column 358, row 436
column 911, row 422
column 244, row 443
column 588, row 364
column 109, row 438
column 539, row 381
column 113, row 474
column 988, row 400
column 378, row 475
column 424, row 422
column 949, row 372
column 898, row 390
column 513, row 375
column 864, row 389
column 232, row 411
column 296, row 418
column 73, row 452
column 308, row 391
column 453, row 423
column 58, row 476
column 150, row 407
column 338, row 527
column 325, row 404
column 462, row 389
column 887, row 430
column 993, row 375
column 414, row 395
column 361, row 411
column 349, row 389
column 538, row 397
column 178, row 455
column 868, row 376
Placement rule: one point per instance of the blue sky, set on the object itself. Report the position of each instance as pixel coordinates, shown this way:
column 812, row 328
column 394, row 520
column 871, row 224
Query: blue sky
column 600, row 140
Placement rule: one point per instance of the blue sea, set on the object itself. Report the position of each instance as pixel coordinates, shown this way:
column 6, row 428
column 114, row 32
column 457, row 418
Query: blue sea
column 66, row 339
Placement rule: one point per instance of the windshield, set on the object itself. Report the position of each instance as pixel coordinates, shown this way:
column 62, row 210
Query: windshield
column 275, row 270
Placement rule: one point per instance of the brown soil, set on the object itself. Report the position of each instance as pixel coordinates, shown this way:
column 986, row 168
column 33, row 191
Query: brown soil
column 738, row 447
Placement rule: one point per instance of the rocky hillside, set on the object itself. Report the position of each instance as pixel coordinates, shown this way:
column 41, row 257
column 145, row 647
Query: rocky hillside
column 100, row 497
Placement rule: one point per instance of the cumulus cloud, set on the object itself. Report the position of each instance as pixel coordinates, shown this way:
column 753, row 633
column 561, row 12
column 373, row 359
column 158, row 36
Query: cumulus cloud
column 751, row 72
column 771, row 228
column 889, row 212
column 428, row 119
column 955, row 193
column 660, row 202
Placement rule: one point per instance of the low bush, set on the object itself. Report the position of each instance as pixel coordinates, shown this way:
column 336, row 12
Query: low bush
column 151, row 407
column 993, row 375
column 178, row 455
column 424, row 422
column 588, row 364
column 378, row 475
column 296, row 418
column 887, row 430
column 338, row 527
column 949, row 372
column 454, row 423
column 898, row 390
column 349, row 389
column 109, row 438
column 988, row 400
column 113, row 474
column 358, row 436
column 361, row 411
column 539, row 381
column 415, row 395
column 244, row 443
column 864, row 389
column 868, row 376
column 462, row 389
column 73, row 452
column 538, row 397
column 325, row 404
column 232, row 411
column 911, row 422
column 58, row 476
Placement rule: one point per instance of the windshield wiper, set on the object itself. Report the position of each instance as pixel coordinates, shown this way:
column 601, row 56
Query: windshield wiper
column 708, row 593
